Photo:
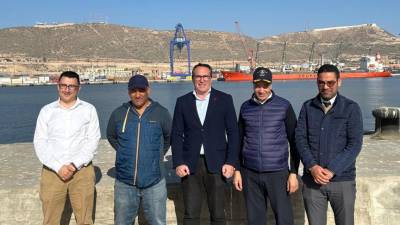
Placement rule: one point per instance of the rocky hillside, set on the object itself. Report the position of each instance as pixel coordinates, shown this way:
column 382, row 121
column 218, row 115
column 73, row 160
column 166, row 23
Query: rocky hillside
column 107, row 41
column 337, row 43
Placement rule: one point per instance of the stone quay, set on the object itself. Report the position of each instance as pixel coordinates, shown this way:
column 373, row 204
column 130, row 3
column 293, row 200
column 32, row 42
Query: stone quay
column 377, row 201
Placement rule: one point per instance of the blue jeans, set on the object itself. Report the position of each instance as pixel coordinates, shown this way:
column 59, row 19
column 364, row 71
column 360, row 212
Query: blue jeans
column 127, row 199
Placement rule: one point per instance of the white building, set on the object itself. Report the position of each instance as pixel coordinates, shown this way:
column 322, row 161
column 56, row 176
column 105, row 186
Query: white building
column 5, row 80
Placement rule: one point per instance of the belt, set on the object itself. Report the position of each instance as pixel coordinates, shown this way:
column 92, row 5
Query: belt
column 48, row 168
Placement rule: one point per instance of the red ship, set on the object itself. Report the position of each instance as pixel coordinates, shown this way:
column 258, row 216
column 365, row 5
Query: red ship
column 240, row 76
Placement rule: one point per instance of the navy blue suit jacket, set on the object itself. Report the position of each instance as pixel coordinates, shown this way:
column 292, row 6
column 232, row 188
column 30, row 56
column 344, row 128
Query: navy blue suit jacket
column 219, row 134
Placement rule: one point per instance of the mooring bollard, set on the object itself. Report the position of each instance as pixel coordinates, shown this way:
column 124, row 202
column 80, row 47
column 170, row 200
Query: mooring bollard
column 387, row 121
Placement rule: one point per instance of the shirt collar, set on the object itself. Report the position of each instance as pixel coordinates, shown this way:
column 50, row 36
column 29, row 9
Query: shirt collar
column 332, row 100
column 262, row 102
column 206, row 98
column 78, row 102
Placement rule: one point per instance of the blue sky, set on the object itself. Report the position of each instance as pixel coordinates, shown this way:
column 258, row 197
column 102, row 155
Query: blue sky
column 257, row 18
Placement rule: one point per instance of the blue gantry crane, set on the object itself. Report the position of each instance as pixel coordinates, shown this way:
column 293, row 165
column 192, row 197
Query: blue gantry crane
column 178, row 43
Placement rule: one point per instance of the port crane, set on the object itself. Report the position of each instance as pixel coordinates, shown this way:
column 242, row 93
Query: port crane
column 256, row 57
column 249, row 52
column 285, row 67
column 178, row 43
column 311, row 56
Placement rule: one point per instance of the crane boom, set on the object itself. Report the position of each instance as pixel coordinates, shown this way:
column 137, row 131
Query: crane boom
column 249, row 52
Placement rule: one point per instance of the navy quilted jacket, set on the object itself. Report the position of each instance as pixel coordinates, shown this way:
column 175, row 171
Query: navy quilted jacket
column 266, row 131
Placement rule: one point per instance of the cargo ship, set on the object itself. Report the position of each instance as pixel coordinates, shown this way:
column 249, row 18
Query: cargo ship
column 241, row 76
column 370, row 67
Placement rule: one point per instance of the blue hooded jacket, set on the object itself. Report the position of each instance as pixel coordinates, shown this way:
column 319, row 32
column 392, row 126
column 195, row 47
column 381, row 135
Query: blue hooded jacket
column 139, row 142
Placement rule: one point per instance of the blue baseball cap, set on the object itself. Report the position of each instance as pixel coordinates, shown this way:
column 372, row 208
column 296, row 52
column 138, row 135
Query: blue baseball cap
column 138, row 82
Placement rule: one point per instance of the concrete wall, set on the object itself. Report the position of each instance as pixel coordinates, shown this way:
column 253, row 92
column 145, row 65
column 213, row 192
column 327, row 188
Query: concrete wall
column 378, row 188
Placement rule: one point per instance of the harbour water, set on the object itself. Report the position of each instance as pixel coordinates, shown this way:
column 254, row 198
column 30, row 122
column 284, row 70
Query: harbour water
column 19, row 106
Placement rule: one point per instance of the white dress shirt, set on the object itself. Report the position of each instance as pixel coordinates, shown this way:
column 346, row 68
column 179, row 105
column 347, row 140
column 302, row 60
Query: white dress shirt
column 64, row 136
column 202, row 106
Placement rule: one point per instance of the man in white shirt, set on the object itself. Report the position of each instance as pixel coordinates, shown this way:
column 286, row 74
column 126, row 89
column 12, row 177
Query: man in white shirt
column 66, row 138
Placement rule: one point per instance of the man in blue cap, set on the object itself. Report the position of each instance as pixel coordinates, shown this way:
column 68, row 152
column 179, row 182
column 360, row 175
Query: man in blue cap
column 139, row 131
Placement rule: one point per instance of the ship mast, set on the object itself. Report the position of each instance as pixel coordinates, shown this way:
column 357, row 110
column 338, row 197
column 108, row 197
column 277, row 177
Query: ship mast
column 283, row 63
column 256, row 57
column 311, row 57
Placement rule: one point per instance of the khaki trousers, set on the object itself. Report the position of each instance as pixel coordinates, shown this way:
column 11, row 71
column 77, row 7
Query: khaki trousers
column 53, row 193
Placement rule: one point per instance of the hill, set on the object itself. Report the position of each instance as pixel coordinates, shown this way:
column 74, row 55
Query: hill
column 341, row 43
column 116, row 42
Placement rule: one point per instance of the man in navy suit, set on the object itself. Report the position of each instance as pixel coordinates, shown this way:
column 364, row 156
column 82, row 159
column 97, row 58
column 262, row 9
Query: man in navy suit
column 205, row 145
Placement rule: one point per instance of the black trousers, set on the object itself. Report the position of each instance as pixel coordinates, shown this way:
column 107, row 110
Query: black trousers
column 195, row 186
column 258, row 187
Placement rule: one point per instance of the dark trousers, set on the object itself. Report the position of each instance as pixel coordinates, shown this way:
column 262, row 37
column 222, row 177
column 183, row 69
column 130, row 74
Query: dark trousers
column 341, row 195
column 258, row 187
column 194, row 186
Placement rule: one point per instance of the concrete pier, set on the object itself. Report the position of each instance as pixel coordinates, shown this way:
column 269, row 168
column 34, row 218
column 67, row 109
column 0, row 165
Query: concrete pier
column 377, row 203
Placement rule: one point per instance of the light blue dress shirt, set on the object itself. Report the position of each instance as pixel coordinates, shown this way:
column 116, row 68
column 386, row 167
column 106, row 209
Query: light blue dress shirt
column 202, row 106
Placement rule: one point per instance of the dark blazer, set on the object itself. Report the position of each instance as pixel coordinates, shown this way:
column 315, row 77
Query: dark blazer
column 219, row 133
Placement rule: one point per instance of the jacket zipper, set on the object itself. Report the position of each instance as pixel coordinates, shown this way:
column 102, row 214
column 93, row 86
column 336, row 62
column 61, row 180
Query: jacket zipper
column 137, row 150
column 260, row 141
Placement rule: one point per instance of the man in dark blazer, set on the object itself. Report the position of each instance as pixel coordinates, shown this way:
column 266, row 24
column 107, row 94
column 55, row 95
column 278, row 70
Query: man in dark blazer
column 205, row 144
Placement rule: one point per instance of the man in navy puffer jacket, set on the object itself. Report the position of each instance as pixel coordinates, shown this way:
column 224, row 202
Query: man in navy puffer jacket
column 267, row 123
column 139, row 131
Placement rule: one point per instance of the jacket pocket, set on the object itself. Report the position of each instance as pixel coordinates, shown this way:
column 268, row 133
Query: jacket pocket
column 151, row 135
column 340, row 126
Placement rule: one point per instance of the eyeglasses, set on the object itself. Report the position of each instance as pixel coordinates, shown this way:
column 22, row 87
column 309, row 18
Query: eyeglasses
column 205, row 77
column 68, row 86
column 329, row 83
